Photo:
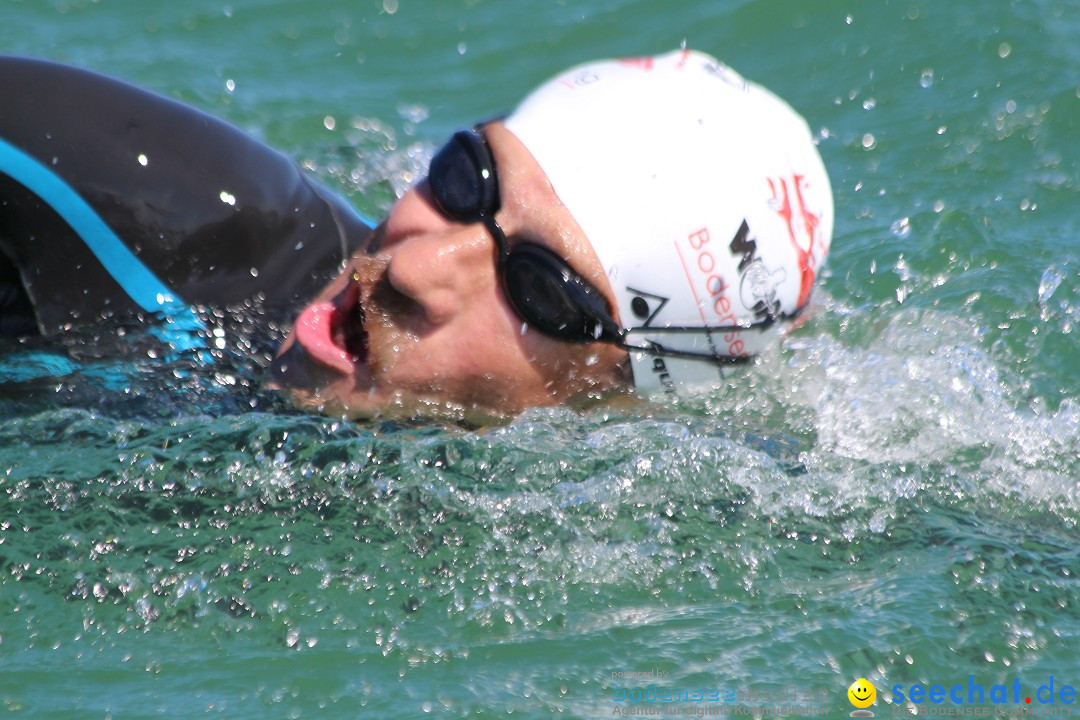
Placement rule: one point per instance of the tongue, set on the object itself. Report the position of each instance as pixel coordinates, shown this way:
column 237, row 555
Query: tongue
column 315, row 333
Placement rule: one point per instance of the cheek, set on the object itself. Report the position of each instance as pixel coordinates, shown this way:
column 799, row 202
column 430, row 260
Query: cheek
column 466, row 364
column 574, row 370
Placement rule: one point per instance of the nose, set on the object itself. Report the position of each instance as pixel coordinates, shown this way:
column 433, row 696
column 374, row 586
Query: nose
column 414, row 214
column 442, row 266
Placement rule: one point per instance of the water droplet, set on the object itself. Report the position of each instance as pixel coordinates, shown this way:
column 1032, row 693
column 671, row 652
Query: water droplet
column 415, row 114
column 902, row 267
column 869, row 104
column 869, row 141
column 329, row 123
column 926, row 79
column 230, row 85
column 1048, row 283
column 143, row 160
column 901, row 228
column 1004, row 49
column 390, row 6
column 227, row 197
column 462, row 48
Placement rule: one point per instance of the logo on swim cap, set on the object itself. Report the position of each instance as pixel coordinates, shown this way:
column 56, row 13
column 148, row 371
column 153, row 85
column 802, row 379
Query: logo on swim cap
column 702, row 194
column 645, row 305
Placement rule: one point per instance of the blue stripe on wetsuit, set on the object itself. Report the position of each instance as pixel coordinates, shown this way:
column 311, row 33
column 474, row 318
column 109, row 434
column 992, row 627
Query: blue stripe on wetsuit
column 183, row 329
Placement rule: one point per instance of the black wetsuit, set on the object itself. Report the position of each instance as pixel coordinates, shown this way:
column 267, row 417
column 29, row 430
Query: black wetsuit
column 115, row 201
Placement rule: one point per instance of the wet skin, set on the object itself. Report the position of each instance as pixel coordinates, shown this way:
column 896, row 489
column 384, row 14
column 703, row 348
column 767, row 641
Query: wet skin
column 421, row 325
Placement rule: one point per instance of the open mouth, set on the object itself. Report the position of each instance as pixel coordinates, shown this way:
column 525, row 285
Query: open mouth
column 333, row 332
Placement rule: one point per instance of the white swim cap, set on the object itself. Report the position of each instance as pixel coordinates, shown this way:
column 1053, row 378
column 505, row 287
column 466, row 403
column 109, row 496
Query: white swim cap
column 702, row 193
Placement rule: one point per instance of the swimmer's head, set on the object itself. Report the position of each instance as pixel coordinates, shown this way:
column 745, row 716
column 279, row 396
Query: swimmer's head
column 703, row 195
column 690, row 207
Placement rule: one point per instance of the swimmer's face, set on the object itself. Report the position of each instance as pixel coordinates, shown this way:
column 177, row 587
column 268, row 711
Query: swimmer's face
column 423, row 327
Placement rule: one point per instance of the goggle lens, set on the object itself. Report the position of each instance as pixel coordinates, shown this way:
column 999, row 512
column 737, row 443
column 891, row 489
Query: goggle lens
column 462, row 182
column 547, row 296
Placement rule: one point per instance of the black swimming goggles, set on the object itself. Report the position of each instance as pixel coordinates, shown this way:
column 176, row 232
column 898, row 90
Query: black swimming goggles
column 542, row 288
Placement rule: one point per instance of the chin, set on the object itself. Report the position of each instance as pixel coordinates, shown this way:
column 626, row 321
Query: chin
column 398, row 406
column 313, row 387
column 310, row 385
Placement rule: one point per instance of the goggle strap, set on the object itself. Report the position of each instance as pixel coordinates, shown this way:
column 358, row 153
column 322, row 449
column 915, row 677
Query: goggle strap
column 656, row 349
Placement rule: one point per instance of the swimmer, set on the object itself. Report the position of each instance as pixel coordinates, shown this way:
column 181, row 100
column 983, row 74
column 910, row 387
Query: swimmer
column 645, row 222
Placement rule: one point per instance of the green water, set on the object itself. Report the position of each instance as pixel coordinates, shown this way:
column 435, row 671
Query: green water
column 893, row 494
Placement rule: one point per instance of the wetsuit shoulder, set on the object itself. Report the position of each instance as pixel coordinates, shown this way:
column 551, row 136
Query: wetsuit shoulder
column 105, row 187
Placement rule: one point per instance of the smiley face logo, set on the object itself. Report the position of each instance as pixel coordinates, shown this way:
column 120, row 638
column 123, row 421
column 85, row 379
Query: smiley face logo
column 861, row 693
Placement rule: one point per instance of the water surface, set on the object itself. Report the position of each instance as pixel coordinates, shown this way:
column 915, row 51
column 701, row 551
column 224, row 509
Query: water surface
column 892, row 494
